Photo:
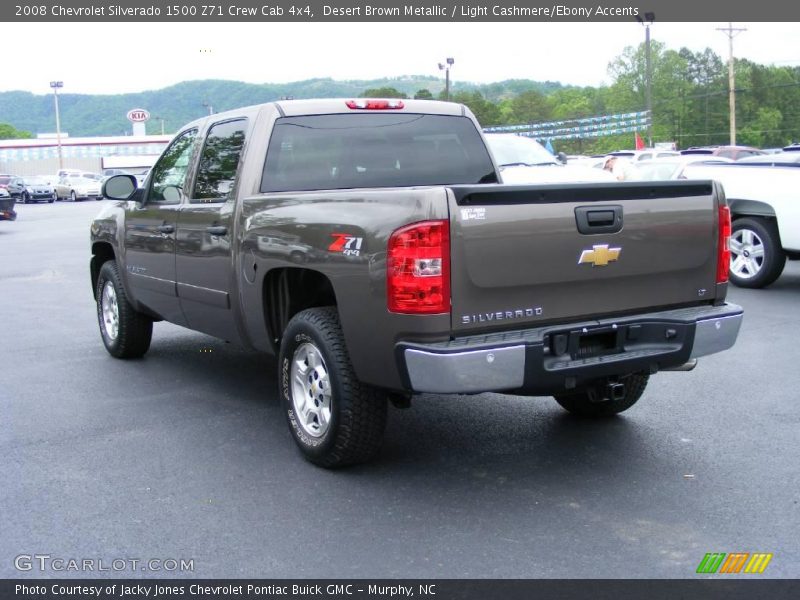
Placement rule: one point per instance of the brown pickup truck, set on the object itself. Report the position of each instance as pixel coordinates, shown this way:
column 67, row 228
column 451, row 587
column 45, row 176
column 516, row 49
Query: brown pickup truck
column 372, row 247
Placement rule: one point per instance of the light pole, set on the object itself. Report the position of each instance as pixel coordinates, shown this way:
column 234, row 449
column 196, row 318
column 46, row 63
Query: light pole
column 446, row 68
column 649, row 19
column 162, row 124
column 55, row 85
column 209, row 107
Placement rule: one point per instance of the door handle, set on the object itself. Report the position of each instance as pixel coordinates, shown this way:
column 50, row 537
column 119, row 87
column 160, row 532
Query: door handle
column 599, row 219
column 166, row 228
column 217, row 230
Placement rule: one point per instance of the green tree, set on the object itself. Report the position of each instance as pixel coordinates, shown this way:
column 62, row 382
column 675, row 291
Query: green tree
column 423, row 94
column 9, row 132
column 530, row 107
column 760, row 129
column 487, row 113
column 383, row 92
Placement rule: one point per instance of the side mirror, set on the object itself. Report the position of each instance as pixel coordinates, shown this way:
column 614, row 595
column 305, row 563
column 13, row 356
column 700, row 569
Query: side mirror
column 562, row 158
column 119, row 187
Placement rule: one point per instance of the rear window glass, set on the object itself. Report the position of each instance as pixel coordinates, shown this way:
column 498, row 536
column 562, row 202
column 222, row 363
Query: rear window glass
column 374, row 150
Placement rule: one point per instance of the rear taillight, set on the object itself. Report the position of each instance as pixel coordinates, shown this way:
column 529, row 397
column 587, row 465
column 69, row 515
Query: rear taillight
column 375, row 104
column 724, row 244
column 418, row 269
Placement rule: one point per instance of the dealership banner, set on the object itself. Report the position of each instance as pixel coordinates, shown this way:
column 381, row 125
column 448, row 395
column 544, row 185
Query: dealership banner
column 402, row 10
column 573, row 129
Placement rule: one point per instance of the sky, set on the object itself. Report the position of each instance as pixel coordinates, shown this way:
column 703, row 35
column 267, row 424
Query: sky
column 113, row 58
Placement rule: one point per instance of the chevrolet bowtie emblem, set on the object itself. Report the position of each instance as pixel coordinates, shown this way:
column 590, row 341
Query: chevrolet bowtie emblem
column 599, row 256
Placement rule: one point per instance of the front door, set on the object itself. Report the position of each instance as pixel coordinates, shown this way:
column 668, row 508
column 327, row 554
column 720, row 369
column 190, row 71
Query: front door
column 151, row 228
column 204, row 262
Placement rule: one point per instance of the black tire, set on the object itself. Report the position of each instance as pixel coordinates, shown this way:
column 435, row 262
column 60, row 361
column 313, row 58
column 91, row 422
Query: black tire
column 73, row 196
column 25, row 198
column 51, row 200
column 134, row 330
column 357, row 412
column 755, row 235
column 593, row 401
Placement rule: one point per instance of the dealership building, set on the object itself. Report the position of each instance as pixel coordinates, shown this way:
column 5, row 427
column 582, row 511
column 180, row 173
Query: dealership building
column 40, row 156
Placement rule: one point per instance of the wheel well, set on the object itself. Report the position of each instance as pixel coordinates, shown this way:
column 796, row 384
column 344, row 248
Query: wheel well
column 101, row 252
column 289, row 290
column 750, row 208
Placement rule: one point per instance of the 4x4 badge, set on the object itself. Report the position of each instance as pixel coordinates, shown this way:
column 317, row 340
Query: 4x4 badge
column 599, row 256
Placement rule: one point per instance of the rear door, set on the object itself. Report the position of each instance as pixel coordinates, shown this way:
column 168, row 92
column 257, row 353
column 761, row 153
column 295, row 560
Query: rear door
column 204, row 259
column 523, row 255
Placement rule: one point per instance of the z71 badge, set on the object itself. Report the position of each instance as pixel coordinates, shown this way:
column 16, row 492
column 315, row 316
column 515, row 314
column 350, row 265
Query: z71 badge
column 346, row 244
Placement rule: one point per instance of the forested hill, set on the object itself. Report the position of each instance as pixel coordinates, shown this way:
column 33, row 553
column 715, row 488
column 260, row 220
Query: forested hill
column 689, row 101
column 88, row 115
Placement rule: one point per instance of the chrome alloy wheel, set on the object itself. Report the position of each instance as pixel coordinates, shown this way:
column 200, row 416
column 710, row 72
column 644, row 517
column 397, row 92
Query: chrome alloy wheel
column 747, row 253
column 311, row 390
column 110, row 311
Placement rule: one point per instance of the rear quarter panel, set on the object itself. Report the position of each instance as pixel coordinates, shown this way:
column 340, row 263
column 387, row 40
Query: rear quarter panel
column 312, row 224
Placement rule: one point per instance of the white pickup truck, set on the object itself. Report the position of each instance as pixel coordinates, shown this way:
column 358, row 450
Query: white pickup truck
column 765, row 208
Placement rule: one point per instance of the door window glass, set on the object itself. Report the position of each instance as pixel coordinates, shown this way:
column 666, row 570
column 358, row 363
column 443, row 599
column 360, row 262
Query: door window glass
column 219, row 162
column 169, row 173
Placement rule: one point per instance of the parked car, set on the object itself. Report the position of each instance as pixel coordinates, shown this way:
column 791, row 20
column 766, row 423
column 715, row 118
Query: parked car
column 524, row 160
column 647, row 154
column 7, row 212
column 37, row 189
column 12, row 184
column 672, row 167
column 732, row 152
column 766, row 217
column 77, row 187
column 777, row 159
column 61, row 173
column 110, row 172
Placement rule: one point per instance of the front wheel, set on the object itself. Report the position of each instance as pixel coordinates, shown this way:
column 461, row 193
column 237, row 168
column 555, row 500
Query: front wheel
column 756, row 255
column 126, row 332
column 335, row 419
column 73, row 196
column 603, row 398
column 25, row 198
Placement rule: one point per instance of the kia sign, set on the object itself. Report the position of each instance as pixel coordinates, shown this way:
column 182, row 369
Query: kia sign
column 138, row 115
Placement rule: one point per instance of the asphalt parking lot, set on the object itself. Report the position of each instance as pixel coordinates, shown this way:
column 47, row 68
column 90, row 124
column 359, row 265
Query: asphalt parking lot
column 186, row 455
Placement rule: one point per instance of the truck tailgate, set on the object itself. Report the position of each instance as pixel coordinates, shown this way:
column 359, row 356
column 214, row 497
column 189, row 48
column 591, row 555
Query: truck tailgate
column 525, row 254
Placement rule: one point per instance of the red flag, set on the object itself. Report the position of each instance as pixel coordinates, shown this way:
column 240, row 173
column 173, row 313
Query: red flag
column 639, row 141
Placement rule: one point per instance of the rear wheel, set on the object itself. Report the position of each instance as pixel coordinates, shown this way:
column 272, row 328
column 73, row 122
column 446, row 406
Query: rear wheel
column 335, row 419
column 756, row 255
column 126, row 333
column 603, row 398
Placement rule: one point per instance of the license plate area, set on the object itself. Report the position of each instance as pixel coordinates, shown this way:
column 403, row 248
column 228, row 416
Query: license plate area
column 595, row 344
column 586, row 343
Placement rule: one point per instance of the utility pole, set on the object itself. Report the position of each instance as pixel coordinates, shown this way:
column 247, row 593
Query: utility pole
column 731, row 32
column 649, row 19
column 649, row 87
